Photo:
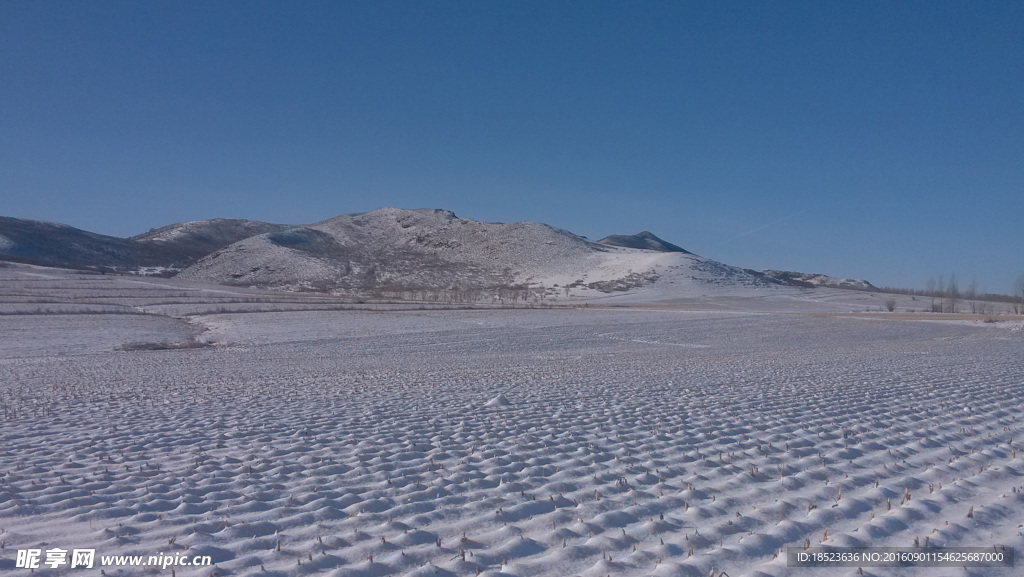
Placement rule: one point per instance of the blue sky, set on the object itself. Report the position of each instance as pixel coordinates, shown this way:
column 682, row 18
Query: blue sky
column 877, row 140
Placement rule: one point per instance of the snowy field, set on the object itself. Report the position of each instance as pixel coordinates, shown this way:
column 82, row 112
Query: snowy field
column 547, row 443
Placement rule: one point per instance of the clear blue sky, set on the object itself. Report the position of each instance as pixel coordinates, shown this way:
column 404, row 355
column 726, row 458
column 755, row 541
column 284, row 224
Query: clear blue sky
column 878, row 140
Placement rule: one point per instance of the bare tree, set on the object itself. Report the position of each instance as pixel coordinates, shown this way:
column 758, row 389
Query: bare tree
column 972, row 296
column 930, row 287
column 940, row 289
column 890, row 303
column 952, row 295
column 1018, row 293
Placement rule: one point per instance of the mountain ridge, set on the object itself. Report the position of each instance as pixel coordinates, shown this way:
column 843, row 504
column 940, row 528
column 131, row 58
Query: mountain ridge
column 395, row 251
column 644, row 240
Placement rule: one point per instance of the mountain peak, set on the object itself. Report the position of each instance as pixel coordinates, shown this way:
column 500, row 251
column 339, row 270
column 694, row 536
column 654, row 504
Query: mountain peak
column 645, row 240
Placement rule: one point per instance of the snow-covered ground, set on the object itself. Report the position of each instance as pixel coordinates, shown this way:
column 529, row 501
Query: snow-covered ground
column 530, row 442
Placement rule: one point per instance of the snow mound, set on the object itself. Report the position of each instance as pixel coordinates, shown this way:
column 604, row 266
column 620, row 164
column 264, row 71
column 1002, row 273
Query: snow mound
column 499, row 401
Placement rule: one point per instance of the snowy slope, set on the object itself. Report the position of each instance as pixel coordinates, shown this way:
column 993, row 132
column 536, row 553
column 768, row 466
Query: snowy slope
column 170, row 248
column 198, row 238
column 424, row 254
column 645, row 240
column 50, row 242
column 814, row 279
column 395, row 250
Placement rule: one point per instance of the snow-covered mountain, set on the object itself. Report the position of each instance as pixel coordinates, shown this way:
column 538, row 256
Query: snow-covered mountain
column 198, row 238
column 645, row 240
column 395, row 250
column 816, row 280
column 433, row 252
column 423, row 253
column 167, row 249
column 60, row 244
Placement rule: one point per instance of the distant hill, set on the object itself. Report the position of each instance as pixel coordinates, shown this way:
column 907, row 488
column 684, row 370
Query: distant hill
column 60, row 244
column 811, row 280
column 168, row 249
column 422, row 253
column 399, row 250
column 195, row 239
column 644, row 240
column 436, row 254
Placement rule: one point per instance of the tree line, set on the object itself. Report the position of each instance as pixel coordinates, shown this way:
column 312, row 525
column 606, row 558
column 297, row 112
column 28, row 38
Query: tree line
column 946, row 296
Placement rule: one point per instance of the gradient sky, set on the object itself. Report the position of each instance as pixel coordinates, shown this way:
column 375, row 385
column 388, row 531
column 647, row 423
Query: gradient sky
column 882, row 141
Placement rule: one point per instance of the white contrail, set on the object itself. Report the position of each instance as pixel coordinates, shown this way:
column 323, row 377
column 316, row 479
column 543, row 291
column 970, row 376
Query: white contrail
column 773, row 223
